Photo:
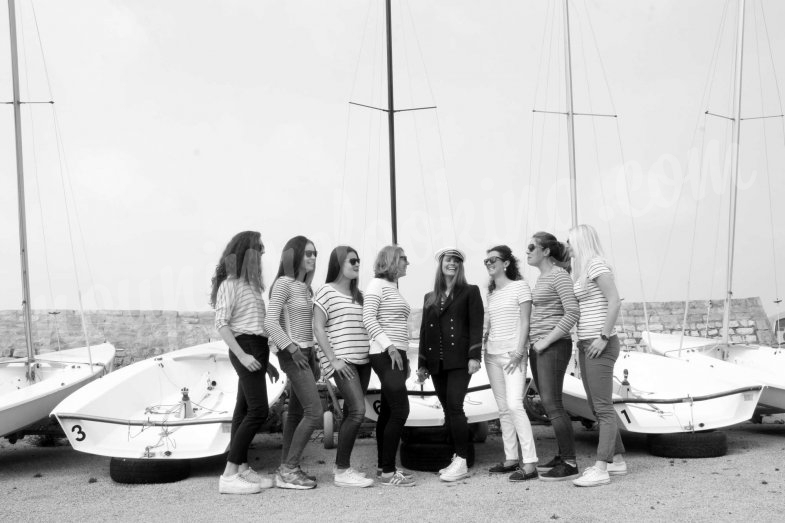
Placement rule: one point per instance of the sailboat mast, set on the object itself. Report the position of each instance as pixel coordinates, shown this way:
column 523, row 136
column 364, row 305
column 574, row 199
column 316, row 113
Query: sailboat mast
column 570, row 118
column 736, row 130
column 20, row 181
column 391, row 125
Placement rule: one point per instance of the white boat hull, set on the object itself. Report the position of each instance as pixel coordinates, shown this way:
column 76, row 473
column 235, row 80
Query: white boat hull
column 425, row 410
column 668, row 396
column 762, row 365
column 137, row 412
column 58, row 374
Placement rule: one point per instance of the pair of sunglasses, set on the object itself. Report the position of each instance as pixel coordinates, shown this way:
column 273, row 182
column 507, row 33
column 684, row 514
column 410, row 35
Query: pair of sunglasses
column 354, row 261
column 311, row 254
column 531, row 247
column 404, row 259
column 491, row 260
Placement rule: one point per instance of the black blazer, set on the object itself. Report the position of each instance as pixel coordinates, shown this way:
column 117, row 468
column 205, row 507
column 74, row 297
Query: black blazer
column 457, row 330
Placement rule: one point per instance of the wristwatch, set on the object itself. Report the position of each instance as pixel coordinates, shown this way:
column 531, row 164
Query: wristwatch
column 604, row 337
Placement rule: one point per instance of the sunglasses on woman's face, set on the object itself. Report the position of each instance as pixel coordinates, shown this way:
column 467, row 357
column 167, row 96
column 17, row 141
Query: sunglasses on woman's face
column 311, row 254
column 354, row 261
column 404, row 259
column 491, row 260
column 531, row 248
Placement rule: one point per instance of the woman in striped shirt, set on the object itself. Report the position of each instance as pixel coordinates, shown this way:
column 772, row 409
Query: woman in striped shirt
column 507, row 334
column 555, row 313
column 239, row 315
column 289, row 324
column 598, row 349
column 385, row 315
column 343, row 353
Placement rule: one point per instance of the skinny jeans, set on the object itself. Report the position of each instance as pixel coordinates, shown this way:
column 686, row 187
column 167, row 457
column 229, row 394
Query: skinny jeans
column 251, row 407
column 508, row 390
column 393, row 410
column 353, row 392
column 451, row 387
column 548, row 369
column 597, row 377
column 305, row 407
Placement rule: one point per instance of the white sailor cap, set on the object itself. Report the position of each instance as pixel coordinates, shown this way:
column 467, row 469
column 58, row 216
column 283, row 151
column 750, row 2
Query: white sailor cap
column 450, row 251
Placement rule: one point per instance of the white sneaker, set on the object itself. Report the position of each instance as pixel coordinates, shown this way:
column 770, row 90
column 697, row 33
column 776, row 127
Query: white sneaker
column 452, row 459
column 617, row 469
column 592, row 477
column 236, row 484
column 456, row 471
column 251, row 475
column 352, row 478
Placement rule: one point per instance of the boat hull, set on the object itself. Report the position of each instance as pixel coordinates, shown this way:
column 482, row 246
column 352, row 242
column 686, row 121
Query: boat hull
column 667, row 396
column 138, row 412
column 759, row 364
column 425, row 410
column 61, row 373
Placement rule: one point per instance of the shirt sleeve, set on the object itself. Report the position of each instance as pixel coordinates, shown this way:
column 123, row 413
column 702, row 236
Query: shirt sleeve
column 562, row 283
column 321, row 299
column 272, row 322
column 597, row 268
column 524, row 292
column 224, row 304
column 372, row 303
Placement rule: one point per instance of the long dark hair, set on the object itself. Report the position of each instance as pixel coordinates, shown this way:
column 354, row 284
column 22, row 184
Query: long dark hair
column 558, row 251
column 512, row 271
column 337, row 258
column 292, row 259
column 440, row 282
column 246, row 246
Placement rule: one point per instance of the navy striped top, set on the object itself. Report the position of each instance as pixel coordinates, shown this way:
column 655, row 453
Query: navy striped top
column 295, row 298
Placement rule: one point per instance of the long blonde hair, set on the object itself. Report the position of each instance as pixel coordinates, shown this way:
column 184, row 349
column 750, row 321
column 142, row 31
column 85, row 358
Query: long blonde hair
column 584, row 247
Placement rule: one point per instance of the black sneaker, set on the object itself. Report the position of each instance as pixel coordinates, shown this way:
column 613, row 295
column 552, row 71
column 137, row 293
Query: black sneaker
column 560, row 472
column 520, row 475
column 548, row 466
column 502, row 468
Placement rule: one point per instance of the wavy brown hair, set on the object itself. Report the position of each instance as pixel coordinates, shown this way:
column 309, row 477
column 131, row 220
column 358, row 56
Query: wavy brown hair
column 248, row 247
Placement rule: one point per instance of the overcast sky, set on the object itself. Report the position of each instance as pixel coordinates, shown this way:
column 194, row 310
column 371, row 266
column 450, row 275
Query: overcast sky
column 184, row 122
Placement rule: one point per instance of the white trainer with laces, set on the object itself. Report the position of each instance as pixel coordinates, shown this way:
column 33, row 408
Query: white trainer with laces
column 236, row 484
column 452, row 460
column 592, row 477
column 617, row 469
column 352, row 478
column 251, row 475
column 457, row 470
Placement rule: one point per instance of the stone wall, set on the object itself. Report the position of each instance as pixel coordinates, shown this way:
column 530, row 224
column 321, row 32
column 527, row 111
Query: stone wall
column 141, row 334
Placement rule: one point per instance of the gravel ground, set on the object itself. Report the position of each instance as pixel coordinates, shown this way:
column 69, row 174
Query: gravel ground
column 60, row 484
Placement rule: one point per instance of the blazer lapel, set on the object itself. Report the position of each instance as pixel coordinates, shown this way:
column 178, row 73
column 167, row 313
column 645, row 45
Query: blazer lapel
column 450, row 300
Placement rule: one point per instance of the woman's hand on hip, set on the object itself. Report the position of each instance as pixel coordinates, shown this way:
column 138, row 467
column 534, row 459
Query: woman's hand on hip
column 300, row 359
column 596, row 348
column 395, row 356
column 249, row 362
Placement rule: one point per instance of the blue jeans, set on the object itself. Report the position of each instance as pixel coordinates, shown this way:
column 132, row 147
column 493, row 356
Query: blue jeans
column 394, row 408
column 251, row 407
column 305, row 408
column 353, row 392
column 451, row 386
column 548, row 368
column 597, row 374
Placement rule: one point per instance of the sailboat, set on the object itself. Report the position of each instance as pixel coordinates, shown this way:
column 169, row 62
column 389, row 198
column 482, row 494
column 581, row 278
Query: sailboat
column 763, row 365
column 31, row 386
column 657, row 396
column 425, row 410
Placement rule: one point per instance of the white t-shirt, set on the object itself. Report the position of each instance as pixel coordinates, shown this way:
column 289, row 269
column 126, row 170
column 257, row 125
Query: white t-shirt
column 344, row 326
column 504, row 315
column 593, row 304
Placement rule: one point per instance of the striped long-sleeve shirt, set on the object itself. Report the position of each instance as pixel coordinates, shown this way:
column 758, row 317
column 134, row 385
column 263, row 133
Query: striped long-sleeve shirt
column 290, row 298
column 239, row 307
column 385, row 315
column 554, row 305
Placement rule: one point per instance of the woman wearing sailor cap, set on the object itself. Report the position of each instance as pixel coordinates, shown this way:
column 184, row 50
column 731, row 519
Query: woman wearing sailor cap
column 451, row 349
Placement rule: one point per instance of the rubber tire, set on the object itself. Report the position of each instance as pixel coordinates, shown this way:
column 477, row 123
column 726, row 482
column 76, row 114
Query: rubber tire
column 479, row 431
column 688, row 444
column 329, row 430
column 148, row 471
column 430, row 457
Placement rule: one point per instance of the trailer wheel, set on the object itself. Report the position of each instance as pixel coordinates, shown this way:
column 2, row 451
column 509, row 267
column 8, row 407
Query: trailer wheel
column 688, row 444
column 145, row 471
